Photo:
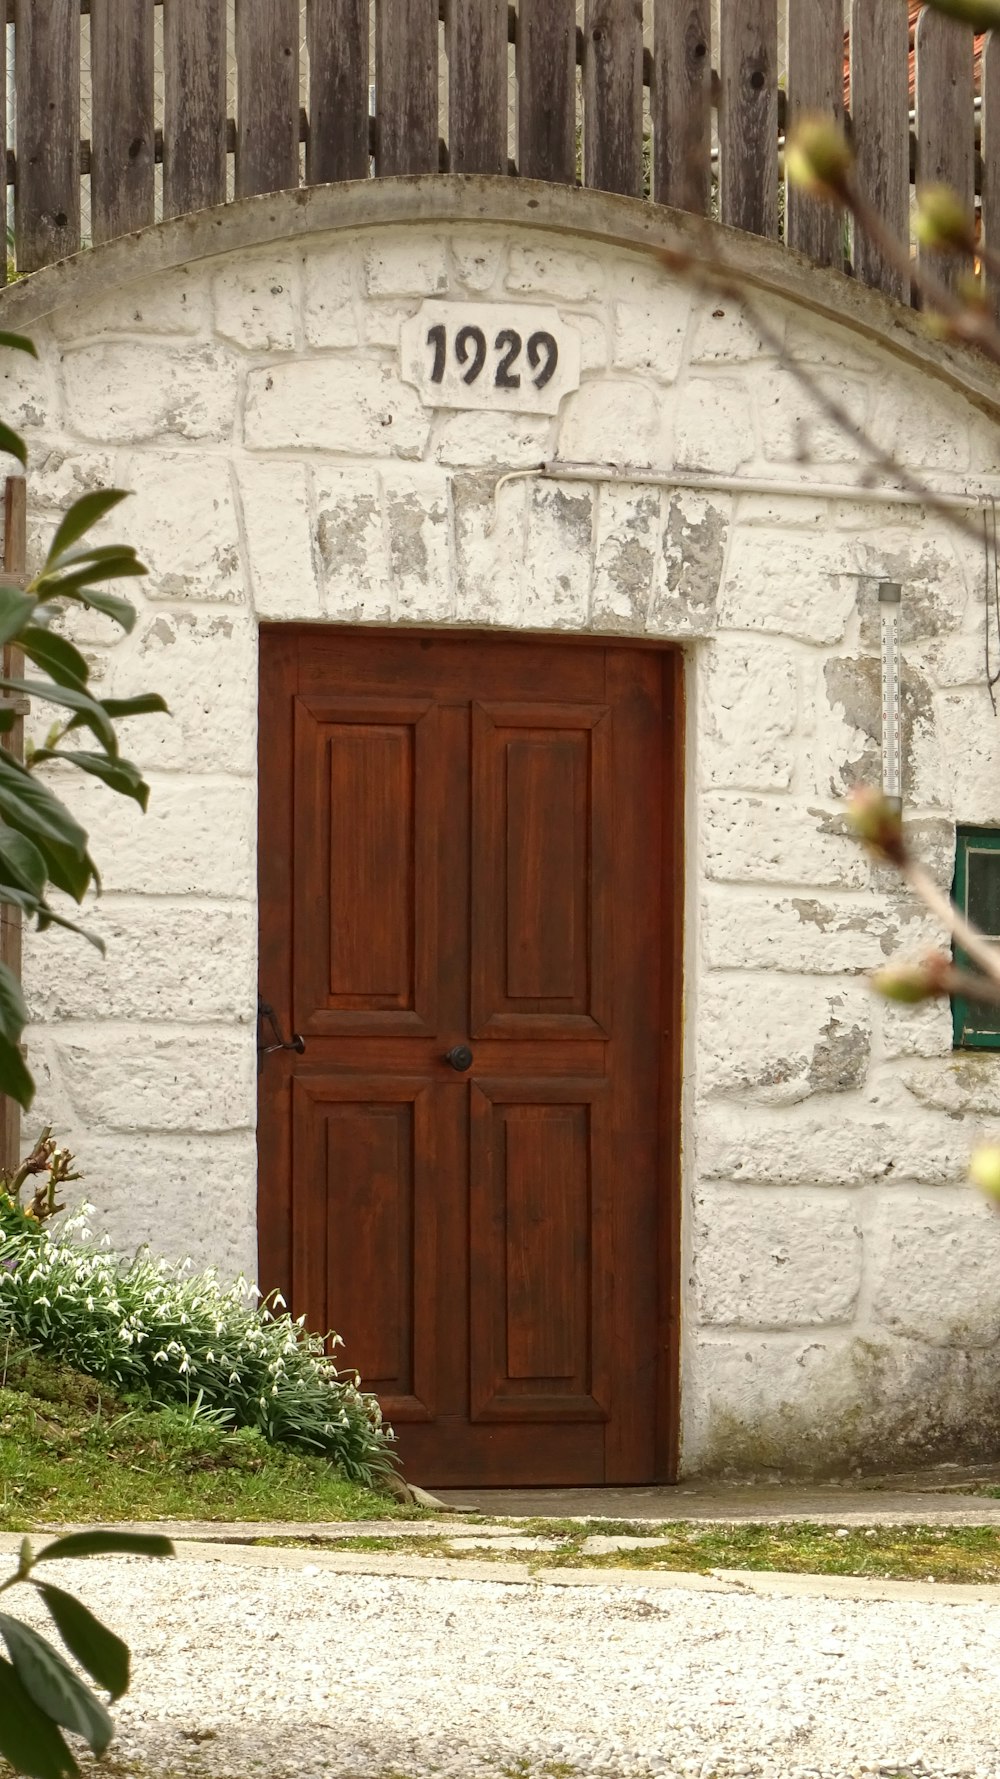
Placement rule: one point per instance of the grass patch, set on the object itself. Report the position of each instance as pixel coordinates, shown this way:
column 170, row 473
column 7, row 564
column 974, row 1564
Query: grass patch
column 73, row 1449
column 968, row 1554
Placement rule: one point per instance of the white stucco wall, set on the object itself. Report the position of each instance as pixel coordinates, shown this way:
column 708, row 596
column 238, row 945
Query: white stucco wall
column 841, row 1284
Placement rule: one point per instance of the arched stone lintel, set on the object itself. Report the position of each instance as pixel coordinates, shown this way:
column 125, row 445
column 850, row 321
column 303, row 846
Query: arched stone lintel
column 463, row 201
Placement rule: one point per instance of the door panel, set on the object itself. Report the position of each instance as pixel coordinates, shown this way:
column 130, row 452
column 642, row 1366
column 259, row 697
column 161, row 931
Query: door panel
column 466, row 846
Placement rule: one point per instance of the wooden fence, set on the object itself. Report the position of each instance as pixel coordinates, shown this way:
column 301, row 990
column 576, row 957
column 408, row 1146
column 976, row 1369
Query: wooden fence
column 615, row 95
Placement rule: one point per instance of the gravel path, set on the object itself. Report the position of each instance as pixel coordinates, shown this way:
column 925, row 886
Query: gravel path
column 262, row 1670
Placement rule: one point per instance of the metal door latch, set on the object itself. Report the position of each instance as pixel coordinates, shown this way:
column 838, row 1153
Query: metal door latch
column 267, row 1016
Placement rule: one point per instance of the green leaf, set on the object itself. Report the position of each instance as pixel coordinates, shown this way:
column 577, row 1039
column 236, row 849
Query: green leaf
column 21, row 862
column 120, row 775
column 13, row 1012
column 55, row 656
column 71, row 584
column 13, row 444
column 102, row 1544
column 28, row 1740
column 47, row 1677
column 29, row 806
column 15, row 1081
column 19, row 343
column 143, row 705
column 105, row 1657
column 87, row 709
column 122, row 611
column 96, row 553
column 84, row 513
column 47, row 917
column 15, row 610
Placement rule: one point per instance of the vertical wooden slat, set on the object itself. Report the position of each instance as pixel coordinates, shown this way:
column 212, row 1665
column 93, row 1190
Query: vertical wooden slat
column 748, row 115
column 946, row 124
column 880, row 119
column 122, row 132
column 3, row 141
column 815, row 85
column 47, row 72
column 990, row 148
column 194, row 105
column 477, row 86
column 406, row 86
column 14, row 560
column 337, row 37
column 267, row 96
column 612, row 96
column 682, row 104
column 546, row 90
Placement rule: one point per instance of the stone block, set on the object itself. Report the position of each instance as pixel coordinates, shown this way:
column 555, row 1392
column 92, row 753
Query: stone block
column 60, row 476
column 127, row 389
column 688, row 573
column 935, row 595
column 30, row 394
column 182, row 519
column 175, row 302
column 803, row 585
column 354, row 559
column 925, row 426
column 829, row 935
column 166, row 961
column 957, row 663
column 205, row 665
column 752, row 1146
column 649, row 334
column 190, row 1197
column 542, row 270
column 257, row 301
column 935, row 1263
column 795, row 426
column 778, row 1040
column 612, row 422
column 628, row 526
column 478, row 261
column 406, row 264
column 489, row 548
column 713, row 426
column 198, row 837
column 751, row 707
column 916, row 1031
column 770, row 840
column 776, row 1259
column 965, row 1083
column 595, row 351
column 725, row 334
column 557, row 564
column 506, row 441
column 142, row 1079
column 418, row 535
column 970, row 747
column 280, row 536
column 330, row 281
column 847, row 747
column 358, row 408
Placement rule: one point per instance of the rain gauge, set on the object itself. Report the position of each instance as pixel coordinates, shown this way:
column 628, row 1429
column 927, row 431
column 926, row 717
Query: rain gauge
column 889, row 597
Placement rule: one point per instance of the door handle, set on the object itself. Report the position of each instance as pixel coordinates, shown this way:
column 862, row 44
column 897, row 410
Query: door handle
column 267, row 1016
column 459, row 1057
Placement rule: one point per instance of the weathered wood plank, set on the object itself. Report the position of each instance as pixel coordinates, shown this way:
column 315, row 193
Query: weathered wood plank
column 946, row 146
column 815, row 85
column 990, row 150
column 406, row 86
column 880, row 116
column 47, row 73
column 337, row 37
column 267, row 96
column 682, row 104
column 477, row 86
column 3, row 155
column 14, row 560
column 194, row 105
column 122, row 130
column 546, row 84
column 748, row 116
column 612, row 96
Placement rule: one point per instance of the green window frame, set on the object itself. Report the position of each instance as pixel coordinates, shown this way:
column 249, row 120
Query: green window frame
column 976, row 1027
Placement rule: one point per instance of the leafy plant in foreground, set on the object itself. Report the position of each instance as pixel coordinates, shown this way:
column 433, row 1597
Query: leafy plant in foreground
column 41, row 843
column 40, row 1694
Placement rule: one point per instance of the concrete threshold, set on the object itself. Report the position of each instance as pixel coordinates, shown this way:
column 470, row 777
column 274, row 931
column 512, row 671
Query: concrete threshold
column 763, row 1504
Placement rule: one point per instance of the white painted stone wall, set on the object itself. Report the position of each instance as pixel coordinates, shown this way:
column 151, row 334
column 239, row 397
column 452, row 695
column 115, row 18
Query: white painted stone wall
column 841, row 1283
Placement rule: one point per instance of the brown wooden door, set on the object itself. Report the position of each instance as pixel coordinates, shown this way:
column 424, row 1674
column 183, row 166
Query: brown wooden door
column 471, row 842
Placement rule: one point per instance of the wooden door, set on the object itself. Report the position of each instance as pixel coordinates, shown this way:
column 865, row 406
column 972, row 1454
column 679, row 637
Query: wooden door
column 470, row 844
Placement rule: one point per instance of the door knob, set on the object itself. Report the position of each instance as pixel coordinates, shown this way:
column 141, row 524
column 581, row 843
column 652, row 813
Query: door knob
column 459, row 1057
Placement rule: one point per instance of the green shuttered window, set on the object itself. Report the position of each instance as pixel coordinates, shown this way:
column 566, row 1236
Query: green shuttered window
column 977, row 892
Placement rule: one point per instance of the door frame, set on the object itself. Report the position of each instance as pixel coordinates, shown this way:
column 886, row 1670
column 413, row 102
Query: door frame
column 274, row 858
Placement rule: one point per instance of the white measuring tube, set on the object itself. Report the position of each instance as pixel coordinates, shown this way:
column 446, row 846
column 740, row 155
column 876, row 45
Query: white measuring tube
column 890, row 595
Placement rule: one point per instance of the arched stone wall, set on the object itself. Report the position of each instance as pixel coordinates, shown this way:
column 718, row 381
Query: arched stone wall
column 242, row 373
